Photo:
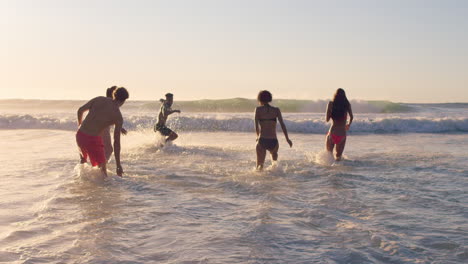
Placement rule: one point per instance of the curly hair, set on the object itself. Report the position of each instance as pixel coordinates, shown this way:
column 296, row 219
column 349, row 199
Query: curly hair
column 264, row 96
column 120, row 94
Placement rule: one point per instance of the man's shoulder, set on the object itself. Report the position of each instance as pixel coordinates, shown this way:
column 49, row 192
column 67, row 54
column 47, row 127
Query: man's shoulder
column 100, row 98
column 96, row 102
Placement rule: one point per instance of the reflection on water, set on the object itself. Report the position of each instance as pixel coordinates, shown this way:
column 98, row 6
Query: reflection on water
column 201, row 201
column 100, row 205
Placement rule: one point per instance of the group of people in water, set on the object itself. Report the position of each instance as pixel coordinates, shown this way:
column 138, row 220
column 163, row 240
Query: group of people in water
column 94, row 140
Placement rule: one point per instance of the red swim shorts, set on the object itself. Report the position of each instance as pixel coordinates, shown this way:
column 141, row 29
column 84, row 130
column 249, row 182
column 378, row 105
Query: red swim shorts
column 91, row 146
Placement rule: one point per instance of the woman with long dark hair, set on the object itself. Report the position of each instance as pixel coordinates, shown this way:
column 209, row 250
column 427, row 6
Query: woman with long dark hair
column 266, row 117
column 338, row 111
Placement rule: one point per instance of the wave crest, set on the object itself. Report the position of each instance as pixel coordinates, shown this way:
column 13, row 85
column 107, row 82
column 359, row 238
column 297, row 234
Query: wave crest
column 243, row 124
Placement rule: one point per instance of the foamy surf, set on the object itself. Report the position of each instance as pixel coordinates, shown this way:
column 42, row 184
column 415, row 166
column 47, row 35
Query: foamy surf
column 389, row 202
column 87, row 172
column 324, row 158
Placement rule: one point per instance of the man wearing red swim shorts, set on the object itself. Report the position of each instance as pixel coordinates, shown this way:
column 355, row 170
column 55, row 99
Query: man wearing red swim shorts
column 103, row 112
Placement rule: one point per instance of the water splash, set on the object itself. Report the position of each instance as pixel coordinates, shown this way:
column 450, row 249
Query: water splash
column 92, row 174
column 324, row 158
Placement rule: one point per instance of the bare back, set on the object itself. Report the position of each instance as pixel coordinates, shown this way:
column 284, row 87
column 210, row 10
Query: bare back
column 163, row 114
column 338, row 126
column 267, row 117
column 103, row 112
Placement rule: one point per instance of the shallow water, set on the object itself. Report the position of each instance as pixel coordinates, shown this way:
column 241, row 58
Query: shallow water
column 397, row 198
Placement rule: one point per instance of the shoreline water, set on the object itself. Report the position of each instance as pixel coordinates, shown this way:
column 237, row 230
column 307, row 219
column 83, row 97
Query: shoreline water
column 396, row 198
column 399, row 196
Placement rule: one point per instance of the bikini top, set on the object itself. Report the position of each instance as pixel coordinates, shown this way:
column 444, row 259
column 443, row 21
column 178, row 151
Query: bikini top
column 267, row 119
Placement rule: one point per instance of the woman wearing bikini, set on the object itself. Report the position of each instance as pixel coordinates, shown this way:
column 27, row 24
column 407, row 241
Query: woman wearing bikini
column 266, row 117
column 338, row 110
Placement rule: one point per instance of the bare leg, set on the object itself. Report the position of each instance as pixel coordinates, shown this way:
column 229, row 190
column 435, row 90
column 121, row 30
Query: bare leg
column 172, row 137
column 340, row 148
column 274, row 153
column 261, row 153
column 329, row 144
column 82, row 159
column 103, row 168
column 106, row 138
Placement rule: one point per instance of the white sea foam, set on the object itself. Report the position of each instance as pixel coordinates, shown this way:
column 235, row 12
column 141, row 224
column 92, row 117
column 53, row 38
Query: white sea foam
column 324, row 158
column 295, row 123
column 93, row 174
column 395, row 198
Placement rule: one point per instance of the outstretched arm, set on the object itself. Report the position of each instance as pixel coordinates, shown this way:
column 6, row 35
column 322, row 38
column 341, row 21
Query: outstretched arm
column 117, row 131
column 83, row 109
column 283, row 127
column 170, row 112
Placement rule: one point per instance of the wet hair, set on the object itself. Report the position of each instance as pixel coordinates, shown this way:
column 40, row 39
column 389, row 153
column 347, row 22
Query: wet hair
column 120, row 94
column 264, row 97
column 110, row 91
column 340, row 104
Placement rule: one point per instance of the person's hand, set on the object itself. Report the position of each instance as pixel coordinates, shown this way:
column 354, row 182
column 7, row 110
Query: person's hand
column 119, row 170
column 123, row 131
column 347, row 127
column 289, row 142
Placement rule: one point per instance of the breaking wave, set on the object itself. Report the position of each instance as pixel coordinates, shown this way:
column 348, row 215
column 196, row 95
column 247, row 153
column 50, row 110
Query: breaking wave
column 244, row 124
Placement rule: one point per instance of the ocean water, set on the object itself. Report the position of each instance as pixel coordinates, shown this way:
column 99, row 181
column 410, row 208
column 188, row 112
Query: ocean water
column 400, row 195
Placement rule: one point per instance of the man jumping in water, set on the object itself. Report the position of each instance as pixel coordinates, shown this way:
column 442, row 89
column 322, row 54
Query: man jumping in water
column 103, row 112
column 164, row 113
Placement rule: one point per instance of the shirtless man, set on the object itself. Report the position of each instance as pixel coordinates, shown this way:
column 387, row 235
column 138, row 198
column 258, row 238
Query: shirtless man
column 103, row 112
column 164, row 113
column 106, row 137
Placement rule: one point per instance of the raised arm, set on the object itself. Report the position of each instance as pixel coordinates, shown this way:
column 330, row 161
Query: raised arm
column 117, row 131
column 329, row 110
column 83, row 109
column 283, row 127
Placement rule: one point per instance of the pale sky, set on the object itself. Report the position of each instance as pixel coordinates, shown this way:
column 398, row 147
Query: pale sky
column 397, row 50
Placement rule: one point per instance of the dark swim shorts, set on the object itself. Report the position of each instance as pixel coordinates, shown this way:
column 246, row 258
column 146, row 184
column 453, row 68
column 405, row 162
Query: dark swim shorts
column 268, row 143
column 164, row 130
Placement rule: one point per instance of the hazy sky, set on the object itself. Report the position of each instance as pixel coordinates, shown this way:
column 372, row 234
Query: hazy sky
column 403, row 51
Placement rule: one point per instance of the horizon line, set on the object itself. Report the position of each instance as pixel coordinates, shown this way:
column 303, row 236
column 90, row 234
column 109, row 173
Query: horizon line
column 232, row 98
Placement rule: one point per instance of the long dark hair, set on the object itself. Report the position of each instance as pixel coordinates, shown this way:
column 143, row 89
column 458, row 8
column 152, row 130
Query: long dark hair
column 340, row 104
column 110, row 91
